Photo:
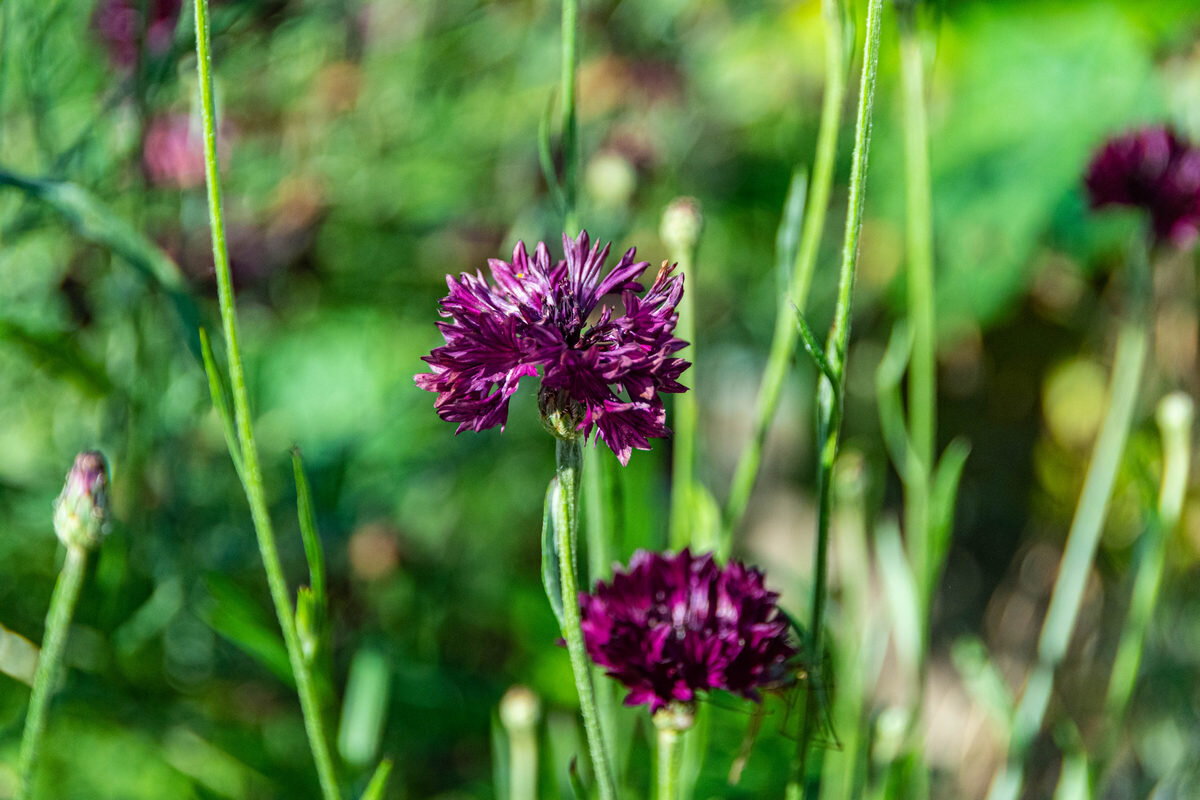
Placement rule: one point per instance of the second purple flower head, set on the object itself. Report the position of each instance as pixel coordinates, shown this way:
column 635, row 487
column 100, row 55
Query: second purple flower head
column 602, row 363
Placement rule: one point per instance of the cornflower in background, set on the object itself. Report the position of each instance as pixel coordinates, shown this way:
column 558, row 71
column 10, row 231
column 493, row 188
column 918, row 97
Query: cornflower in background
column 602, row 367
column 119, row 24
column 673, row 626
column 1154, row 169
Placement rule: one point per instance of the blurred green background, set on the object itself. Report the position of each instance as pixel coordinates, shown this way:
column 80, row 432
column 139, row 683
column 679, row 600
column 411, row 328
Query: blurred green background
column 369, row 148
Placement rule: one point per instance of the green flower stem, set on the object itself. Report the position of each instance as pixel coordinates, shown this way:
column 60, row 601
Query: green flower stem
column 569, row 454
column 683, row 425
column 829, row 401
column 58, row 621
column 668, row 763
column 1175, row 414
column 252, row 472
column 922, row 378
column 570, row 131
column 1082, row 539
column 783, row 342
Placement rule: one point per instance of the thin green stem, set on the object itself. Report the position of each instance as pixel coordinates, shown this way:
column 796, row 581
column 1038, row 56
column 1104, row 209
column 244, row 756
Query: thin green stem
column 570, row 144
column 1082, row 539
column 58, row 622
column 570, row 463
column 668, row 763
column 783, row 342
column 1175, row 414
column 252, row 473
column 830, row 400
column 683, row 439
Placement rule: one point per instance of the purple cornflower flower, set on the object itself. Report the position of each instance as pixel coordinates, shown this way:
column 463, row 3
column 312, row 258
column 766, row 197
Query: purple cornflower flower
column 601, row 366
column 119, row 23
column 1156, row 170
column 673, row 626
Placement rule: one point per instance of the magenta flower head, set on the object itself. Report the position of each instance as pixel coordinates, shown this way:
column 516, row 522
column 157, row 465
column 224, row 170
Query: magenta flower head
column 602, row 363
column 1156, row 170
column 676, row 625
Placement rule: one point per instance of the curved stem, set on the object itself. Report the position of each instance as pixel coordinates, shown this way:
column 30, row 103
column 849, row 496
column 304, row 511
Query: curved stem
column 830, row 397
column 1175, row 424
column 58, row 621
column 569, row 455
column 1082, row 539
column 783, row 342
column 252, row 475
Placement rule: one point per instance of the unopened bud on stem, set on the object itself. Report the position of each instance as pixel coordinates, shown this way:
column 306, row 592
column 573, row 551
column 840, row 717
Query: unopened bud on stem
column 81, row 510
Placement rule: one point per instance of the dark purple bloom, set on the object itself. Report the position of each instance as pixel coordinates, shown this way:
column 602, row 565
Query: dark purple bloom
column 1154, row 169
column 673, row 626
column 119, row 23
column 602, row 363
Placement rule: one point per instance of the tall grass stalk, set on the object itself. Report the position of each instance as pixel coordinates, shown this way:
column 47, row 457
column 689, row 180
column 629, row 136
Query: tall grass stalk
column 1084, row 534
column 49, row 664
column 680, row 232
column 251, row 473
column 784, row 340
column 830, row 391
column 570, row 127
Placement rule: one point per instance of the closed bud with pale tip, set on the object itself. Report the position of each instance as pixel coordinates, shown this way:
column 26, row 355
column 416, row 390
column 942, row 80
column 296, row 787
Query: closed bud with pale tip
column 81, row 510
column 520, row 709
column 681, row 224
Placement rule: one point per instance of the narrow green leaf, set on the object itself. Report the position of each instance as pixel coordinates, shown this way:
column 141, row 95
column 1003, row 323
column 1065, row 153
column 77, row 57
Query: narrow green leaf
column 59, row 355
column 309, row 624
column 501, row 764
column 984, row 683
column 308, row 532
column 216, row 390
column 900, row 588
column 943, row 496
column 550, row 567
column 364, row 709
column 813, row 348
column 94, row 221
column 546, row 158
column 577, row 788
column 238, row 618
column 888, row 376
column 1073, row 779
column 378, row 784
column 787, row 238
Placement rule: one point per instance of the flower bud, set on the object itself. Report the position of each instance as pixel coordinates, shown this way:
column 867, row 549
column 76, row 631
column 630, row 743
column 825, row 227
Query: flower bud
column 561, row 415
column 681, row 224
column 81, row 510
column 519, row 709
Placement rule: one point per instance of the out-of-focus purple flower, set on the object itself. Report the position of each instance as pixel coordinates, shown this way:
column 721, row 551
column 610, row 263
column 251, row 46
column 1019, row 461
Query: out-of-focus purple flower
column 673, row 626
column 1154, row 169
column 174, row 152
column 119, row 24
column 602, row 366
